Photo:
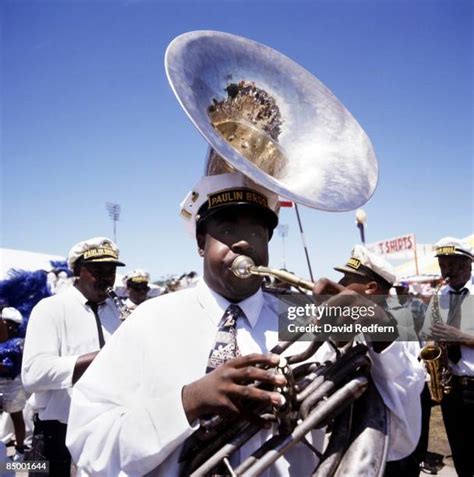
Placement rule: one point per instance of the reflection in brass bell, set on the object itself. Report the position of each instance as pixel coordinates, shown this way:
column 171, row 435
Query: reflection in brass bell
column 268, row 118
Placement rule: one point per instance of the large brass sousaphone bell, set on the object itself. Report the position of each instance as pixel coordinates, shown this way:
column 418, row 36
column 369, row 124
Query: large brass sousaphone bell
column 273, row 121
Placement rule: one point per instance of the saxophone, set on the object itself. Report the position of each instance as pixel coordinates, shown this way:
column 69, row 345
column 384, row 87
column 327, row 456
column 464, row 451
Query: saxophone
column 122, row 308
column 435, row 357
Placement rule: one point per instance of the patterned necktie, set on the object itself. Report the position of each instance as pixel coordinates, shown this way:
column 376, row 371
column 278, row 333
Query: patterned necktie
column 454, row 319
column 226, row 346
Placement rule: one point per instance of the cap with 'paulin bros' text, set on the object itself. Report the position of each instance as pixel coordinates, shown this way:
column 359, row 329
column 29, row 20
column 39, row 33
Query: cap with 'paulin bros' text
column 94, row 250
column 219, row 192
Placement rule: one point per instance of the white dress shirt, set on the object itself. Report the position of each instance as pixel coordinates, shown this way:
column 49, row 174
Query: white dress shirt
column 127, row 417
column 465, row 366
column 60, row 329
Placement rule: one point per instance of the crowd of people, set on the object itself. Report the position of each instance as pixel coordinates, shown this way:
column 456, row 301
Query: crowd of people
column 115, row 397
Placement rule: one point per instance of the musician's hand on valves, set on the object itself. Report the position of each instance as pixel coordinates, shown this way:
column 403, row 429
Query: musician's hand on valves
column 226, row 391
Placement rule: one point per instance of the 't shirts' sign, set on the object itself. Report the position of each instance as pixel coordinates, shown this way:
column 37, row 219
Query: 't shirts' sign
column 397, row 245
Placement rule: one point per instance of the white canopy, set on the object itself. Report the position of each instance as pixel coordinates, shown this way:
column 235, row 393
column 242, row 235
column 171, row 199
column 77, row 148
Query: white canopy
column 24, row 260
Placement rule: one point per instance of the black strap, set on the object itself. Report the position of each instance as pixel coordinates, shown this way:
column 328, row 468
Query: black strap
column 95, row 308
column 454, row 319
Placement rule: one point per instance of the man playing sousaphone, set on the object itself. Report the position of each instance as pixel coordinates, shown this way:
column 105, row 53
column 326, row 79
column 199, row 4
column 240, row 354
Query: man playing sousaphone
column 147, row 390
column 205, row 367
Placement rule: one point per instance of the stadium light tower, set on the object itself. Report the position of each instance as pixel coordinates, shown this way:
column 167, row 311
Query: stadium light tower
column 114, row 213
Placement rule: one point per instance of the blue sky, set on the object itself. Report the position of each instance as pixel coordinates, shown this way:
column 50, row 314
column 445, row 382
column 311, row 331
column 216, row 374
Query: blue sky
column 88, row 118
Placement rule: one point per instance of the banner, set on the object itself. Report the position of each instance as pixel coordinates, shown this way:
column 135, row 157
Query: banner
column 395, row 248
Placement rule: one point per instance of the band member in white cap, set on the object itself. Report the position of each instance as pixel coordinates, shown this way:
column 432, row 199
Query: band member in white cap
column 64, row 335
column 456, row 310
column 143, row 397
column 137, row 284
column 372, row 276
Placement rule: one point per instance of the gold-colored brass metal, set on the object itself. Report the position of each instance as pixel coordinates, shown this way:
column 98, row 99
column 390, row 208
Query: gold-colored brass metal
column 435, row 358
column 244, row 267
column 254, row 145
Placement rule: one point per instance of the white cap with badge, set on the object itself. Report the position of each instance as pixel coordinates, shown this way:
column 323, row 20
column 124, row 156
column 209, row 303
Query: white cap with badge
column 94, row 250
column 217, row 192
column 136, row 276
column 453, row 246
column 370, row 265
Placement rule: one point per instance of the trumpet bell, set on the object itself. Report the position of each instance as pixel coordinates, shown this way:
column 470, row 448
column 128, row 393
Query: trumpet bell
column 270, row 119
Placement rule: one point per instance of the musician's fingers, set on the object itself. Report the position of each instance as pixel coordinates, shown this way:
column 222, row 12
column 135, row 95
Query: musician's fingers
column 438, row 328
column 208, row 395
column 251, row 373
column 255, row 394
column 270, row 360
column 438, row 333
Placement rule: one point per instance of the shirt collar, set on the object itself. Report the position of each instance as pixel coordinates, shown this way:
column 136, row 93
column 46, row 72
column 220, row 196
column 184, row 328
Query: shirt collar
column 467, row 286
column 216, row 305
column 81, row 298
